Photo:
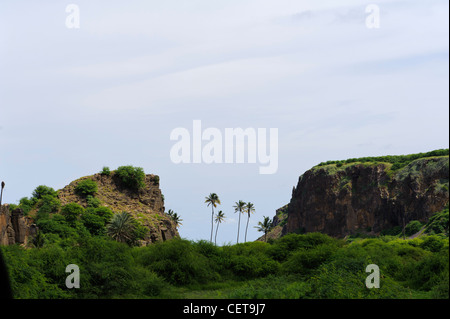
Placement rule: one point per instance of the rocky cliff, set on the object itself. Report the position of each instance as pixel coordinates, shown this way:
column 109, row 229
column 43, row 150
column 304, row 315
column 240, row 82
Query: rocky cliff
column 146, row 204
column 15, row 228
column 343, row 199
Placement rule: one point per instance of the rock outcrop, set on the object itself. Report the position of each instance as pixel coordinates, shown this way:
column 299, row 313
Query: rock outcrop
column 15, row 228
column 146, row 204
column 367, row 197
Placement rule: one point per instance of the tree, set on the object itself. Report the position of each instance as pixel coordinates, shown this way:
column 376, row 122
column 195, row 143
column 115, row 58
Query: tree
column 42, row 190
column 71, row 212
column 265, row 226
column 212, row 200
column 170, row 213
column 249, row 209
column 239, row 207
column 177, row 220
column 121, row 228
column 219, row 219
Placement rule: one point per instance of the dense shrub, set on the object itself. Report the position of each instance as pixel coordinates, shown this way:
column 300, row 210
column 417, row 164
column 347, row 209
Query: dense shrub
column 177, row 262
column 94, row 223
column 26, row 204
column 72, row 212
column 413, row 227
column 92, row 201
column 295, row 266
column 398, row 161
column 86, row 187
column 43, row 190
column 47, row 204
column 438, row 223
column 131, row 177
column 304, row 261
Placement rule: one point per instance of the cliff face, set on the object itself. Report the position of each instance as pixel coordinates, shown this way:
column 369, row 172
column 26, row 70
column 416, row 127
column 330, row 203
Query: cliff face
column 146, row 205
column 15, row 228
column 367, row 197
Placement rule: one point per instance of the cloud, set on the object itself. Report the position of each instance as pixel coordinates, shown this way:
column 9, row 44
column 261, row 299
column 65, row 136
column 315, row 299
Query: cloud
column 214, row 81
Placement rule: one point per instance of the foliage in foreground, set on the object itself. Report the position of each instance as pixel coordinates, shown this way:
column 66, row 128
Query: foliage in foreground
column 294, row 266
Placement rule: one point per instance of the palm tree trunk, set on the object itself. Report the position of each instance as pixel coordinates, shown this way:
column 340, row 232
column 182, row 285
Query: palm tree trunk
column 212, row 222
column 246, row 228
column 215, row 238
column 239, row 225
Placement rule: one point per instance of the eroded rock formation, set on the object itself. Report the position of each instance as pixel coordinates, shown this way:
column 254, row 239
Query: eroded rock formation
column 367, row 197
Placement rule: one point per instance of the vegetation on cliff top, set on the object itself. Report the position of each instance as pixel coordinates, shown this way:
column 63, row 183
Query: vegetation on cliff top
column 397, row 161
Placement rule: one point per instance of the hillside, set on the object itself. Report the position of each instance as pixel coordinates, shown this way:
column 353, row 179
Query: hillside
column 95, row 199
column 145, row 205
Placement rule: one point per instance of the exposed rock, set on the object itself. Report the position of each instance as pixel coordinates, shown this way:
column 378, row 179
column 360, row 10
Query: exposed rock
column 146, row 205
column 367, row 197
column 15, row 228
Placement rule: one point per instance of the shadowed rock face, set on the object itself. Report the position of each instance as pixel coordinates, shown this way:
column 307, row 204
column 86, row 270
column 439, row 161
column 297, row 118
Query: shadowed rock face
column 367, row 198
column 15, row 228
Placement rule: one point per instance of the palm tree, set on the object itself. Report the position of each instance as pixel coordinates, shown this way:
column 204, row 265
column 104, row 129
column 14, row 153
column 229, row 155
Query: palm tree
column 239, row 207
column 170, row 213
column 250, row 209
column 212, row 200
column 121, row 227
column 219, row 219
column 176, row 219
column 265, row 226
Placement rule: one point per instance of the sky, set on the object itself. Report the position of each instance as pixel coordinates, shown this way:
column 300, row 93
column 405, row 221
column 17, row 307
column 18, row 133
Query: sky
column 110, row 92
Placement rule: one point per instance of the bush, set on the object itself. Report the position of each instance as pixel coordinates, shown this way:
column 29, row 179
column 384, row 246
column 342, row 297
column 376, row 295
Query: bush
column 305, row 261
column 43, row 190
column 286, row 245
column 25, row 204
column 92, row 201
column 86, row 187
column 432, row 243
column 413, row 227
column 105, row 171
column 94, row 223
column 56, row 225
column 131, row 177
column 177, row 262
column 438, row 223
column 71, row 212
column 104, row 212
column 47, row 205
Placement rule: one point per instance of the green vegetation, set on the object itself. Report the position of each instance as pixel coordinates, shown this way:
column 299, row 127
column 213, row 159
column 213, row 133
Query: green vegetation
column 397, row 161
column 295, row 266
column 438, row 223
column 43, row 190
column 131, row 177
column 313, row 265
column 265, row 226
column 105, row 171
column 86, row 187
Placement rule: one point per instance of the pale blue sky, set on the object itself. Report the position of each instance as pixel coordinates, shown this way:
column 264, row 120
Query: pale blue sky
column 110, row 93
